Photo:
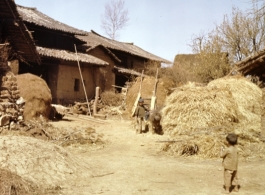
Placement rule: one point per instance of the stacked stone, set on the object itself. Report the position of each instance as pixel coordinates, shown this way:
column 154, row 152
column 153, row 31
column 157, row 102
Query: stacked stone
column 11, row 104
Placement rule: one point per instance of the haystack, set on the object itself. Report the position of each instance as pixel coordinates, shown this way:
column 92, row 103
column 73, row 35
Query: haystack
column 192, row 107
column 199, row 118
column 148, row 85
column 36, row 94
column 40, row 162
column 12, row 184
column 247, row 96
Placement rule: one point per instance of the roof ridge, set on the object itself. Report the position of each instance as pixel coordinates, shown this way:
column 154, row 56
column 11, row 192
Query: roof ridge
column 94, row 32
column 32, row 8
column 41, row 19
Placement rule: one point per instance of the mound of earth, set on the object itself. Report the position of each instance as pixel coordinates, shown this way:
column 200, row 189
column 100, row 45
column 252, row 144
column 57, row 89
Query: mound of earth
column 39, row 161
column 37, row 95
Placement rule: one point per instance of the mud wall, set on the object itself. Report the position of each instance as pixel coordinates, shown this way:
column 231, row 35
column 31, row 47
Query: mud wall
column 69, row 85
column 106, row 76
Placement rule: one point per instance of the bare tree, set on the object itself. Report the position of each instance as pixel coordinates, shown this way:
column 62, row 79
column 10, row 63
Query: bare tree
column 115, row 18
column 240, row 35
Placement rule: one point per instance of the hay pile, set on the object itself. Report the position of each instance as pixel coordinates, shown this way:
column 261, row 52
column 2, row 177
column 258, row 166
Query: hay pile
column 40, row 162
column 198, row 118
column 148, row 84
column 12, row 184
column 37, row 95
column 41, row 129
column 247, row 96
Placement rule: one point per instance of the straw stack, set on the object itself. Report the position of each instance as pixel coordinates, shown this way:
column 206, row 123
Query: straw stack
column 198, row 118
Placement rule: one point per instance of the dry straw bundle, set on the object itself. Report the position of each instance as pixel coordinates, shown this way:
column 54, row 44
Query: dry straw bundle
column 12, row 184
column 198, row 118
column 41, row 129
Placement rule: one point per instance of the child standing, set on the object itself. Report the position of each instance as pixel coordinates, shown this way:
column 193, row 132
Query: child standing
column 230, row 162
column 140, row 114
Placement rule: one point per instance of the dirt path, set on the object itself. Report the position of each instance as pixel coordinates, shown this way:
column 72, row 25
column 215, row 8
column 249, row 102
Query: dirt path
column 131, row 165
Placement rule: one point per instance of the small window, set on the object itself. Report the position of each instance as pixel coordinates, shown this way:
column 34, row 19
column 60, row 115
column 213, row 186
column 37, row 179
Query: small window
column 76, row 85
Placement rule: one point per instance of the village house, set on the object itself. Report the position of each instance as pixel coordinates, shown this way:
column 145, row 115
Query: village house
column 15, row 36
column 131, row 59
column 253, row 67
column 16, row 45
column 103, row 62
column 56, row 44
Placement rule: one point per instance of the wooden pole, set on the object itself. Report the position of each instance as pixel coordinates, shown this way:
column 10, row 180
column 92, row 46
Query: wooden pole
column 96, row 101
column 138, row 96
column 263, row 115
column 153, row 99
column 88, row 107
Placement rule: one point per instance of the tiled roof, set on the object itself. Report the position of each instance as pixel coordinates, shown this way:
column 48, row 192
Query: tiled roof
column 253, row 63
column 70, row 56
column 32, row 15
column 93, row 39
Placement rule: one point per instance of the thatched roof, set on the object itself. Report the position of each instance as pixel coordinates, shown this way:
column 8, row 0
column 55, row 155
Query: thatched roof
column 32, row 15
column 253, row 65
column 16, row 32
column 70, row 56
column 93, row 39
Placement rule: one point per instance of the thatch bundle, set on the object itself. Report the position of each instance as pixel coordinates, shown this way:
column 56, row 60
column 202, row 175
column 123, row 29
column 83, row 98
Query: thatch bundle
column 148, row 85
column 198, row 118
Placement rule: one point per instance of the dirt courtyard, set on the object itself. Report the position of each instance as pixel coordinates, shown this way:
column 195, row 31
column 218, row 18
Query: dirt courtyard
column 130, row 164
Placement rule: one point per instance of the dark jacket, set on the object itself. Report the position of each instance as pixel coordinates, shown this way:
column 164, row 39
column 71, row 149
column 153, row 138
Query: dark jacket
column 140, row 111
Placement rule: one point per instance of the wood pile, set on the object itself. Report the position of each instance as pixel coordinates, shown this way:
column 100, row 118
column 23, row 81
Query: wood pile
column 11, row 104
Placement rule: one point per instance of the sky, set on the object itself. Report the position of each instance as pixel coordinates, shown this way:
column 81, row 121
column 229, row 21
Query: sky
column 162, row 27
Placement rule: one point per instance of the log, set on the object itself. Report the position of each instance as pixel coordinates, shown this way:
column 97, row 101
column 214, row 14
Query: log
column 96, row 101
column 100, row 116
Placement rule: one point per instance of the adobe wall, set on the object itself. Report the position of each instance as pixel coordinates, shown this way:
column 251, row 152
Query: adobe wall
column 106, row 76
column 52, row 81
column 65, row 92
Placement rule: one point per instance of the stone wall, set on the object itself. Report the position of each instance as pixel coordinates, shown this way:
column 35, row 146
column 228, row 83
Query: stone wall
column 11, row 104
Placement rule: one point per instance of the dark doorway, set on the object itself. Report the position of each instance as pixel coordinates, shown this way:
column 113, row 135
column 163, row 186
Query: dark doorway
column 121, row 80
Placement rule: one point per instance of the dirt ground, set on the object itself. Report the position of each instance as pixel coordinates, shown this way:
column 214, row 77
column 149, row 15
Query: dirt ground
column 130, row 164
